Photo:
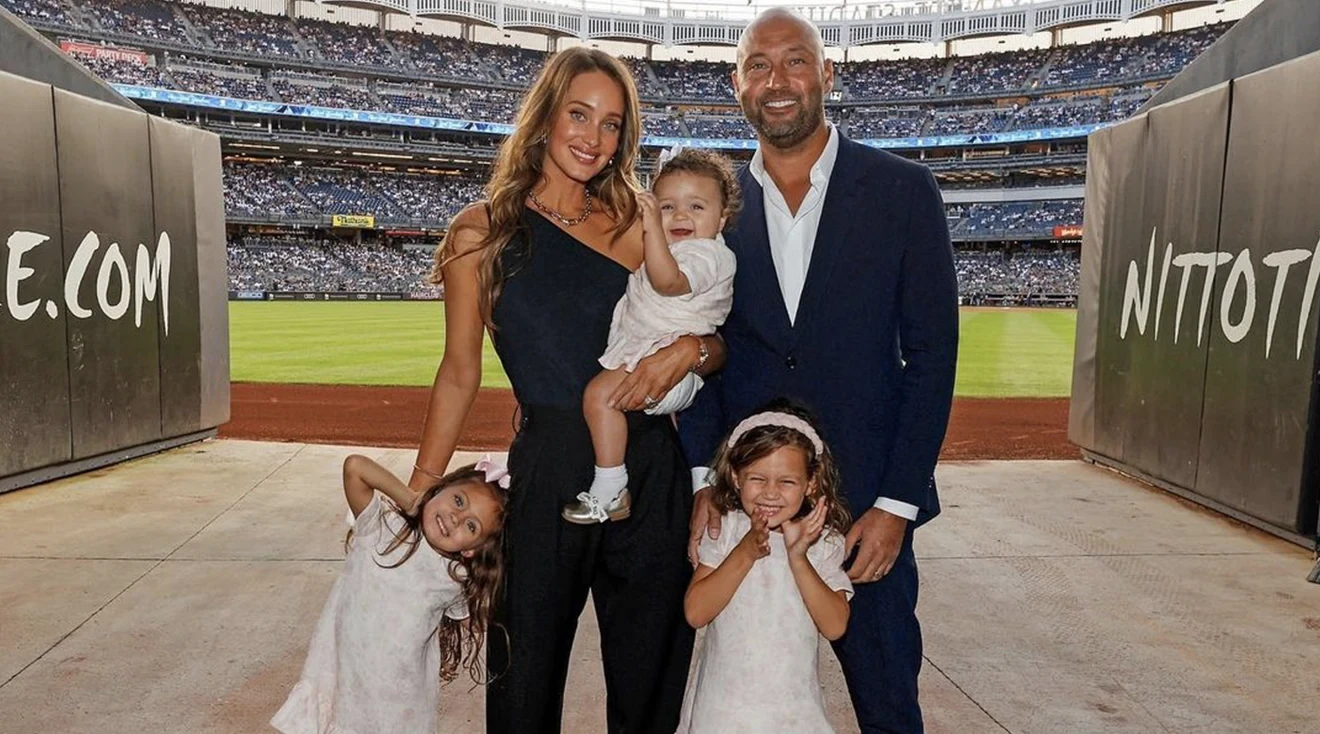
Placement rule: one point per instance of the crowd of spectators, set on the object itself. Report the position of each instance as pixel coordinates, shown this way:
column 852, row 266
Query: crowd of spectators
column 263, row 191
column 344, row 43
column 705, row 81
column 500, row 105
column 307, row 264
column 324, row 91
column 719, row 126
column 290, row 264
column 663, row 124
column 994, row 73
column 48, row 11
column 366, row 47
column 1140, row 57
column 145, row 18
column 899, row 79
column 885, row 122
column 440, row 56
column 1017, row 273
column 512, row 64
column 256, row 190
column 221, row 80
column 1012, row 219
column 124, row 71
column 244, row 31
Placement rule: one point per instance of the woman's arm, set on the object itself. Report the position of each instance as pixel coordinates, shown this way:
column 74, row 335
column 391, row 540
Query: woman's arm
column 362, row 477
column 459, row 376
column 828, row 608
column 658, row 373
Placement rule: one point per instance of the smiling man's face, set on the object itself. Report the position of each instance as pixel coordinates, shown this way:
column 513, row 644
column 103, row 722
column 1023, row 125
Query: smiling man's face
column 782, row 78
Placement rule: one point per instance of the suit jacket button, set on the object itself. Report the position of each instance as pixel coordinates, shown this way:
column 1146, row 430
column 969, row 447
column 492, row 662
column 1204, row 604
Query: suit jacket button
column 791, row 363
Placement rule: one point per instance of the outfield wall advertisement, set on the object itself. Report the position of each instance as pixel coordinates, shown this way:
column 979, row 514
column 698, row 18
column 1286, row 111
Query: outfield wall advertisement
column 104, row 345
column 1195, row 360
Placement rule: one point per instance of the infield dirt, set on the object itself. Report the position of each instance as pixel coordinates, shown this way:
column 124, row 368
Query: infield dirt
column 981, row 428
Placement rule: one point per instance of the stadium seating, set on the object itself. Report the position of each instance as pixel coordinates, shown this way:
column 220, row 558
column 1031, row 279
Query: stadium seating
column 47, row 11
column 242, row 31
column 295, row 264
column 1016, row 273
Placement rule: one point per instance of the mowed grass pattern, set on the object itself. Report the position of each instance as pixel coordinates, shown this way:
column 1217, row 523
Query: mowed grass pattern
column 1004, row 352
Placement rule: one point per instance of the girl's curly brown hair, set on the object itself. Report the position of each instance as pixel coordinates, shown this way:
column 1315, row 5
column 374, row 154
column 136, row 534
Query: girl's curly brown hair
column 481, row 578
column 762, row 441
column 710, row 164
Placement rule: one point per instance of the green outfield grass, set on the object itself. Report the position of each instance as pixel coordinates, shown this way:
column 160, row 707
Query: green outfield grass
column 1004, row 352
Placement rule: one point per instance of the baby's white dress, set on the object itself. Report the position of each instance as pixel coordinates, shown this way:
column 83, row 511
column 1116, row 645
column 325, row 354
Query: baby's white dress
column 756, row 671
column 373, row 666
column 645, row 321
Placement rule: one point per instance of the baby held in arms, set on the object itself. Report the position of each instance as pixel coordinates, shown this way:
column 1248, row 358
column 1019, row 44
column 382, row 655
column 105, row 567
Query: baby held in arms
column 683, row 288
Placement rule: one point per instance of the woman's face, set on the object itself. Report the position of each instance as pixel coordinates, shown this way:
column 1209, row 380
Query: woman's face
column 586, row 129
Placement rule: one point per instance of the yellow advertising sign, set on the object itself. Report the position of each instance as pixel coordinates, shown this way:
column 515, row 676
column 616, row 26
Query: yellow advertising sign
column 356, row 221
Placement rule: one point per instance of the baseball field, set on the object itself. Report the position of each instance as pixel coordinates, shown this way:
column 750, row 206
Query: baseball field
column 1004, row 353
column 358, row 374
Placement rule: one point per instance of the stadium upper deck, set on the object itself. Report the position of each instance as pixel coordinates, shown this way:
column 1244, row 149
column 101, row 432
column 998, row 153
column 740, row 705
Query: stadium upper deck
column 297, row 88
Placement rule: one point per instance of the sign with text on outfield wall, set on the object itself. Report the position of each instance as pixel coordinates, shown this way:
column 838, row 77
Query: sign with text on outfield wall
column 355, row 221
column 1238, row 287
column 116, row 290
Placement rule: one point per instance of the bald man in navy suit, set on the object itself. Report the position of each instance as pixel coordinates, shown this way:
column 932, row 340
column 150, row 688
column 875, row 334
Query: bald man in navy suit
column 846, row 301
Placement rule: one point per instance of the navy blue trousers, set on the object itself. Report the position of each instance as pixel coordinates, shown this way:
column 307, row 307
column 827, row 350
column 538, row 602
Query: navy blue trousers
column 881, row 651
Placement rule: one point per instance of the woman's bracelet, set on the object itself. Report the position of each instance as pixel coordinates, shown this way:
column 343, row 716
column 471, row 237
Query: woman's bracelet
column 427, row 473
column 703, row 354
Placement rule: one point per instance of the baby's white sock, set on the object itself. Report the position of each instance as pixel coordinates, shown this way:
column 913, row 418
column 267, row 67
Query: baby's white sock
column 609, row 482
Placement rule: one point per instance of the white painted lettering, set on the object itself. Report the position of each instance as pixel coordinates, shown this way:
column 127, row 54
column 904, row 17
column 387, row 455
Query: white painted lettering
column 146, row 278
column 1308, row 296
column 1241, row 272
column 16, row 272
column 114, row 261
column 1134, row 297
column 1282, row 261
column 82, row 257
column 1164, row 279
column 1186, row 262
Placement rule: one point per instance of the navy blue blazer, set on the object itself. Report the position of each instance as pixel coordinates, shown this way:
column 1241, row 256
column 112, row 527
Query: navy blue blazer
column 873, row 350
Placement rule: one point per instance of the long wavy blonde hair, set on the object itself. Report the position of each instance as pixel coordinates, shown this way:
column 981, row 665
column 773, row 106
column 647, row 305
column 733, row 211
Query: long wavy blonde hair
column 518, row 167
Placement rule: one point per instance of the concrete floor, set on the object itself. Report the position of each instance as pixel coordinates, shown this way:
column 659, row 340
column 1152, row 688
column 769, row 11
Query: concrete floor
column 177, row 594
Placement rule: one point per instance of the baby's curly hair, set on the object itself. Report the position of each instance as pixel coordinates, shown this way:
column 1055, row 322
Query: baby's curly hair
column 710, row 164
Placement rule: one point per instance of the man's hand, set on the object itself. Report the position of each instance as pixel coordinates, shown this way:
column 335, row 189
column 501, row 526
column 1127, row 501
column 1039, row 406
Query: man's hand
column 705, row 519
column 878, row 537
column 656, row 375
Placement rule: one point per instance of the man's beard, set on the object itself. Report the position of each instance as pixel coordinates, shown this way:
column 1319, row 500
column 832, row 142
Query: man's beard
column 786, row 134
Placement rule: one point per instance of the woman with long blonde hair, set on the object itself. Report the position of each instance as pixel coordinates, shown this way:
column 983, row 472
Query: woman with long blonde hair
column 540, row 265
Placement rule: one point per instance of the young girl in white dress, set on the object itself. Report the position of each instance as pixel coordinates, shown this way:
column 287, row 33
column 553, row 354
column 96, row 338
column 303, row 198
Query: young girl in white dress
column 772, row 584
column 684, row 287
column 409, row 608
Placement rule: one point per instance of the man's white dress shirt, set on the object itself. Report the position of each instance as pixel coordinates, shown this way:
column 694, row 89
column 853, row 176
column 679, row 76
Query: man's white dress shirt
column 792, row 239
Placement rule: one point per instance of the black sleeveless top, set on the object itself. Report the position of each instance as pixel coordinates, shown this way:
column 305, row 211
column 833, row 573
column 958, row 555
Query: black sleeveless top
column 553, row 316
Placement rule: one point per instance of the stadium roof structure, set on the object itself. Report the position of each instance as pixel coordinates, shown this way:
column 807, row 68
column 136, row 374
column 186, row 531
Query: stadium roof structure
column 842, row 24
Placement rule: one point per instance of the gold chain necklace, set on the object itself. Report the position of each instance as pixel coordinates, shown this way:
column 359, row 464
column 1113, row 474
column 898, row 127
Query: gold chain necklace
column 586, row 211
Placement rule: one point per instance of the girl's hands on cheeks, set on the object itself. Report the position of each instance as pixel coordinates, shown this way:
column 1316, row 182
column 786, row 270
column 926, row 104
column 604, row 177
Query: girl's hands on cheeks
column 799, row 535
column 756, row 543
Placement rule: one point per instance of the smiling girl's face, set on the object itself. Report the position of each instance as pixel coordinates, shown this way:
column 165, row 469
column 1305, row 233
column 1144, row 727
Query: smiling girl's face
column 691, row 205
column 460, row 517
column 775, row 485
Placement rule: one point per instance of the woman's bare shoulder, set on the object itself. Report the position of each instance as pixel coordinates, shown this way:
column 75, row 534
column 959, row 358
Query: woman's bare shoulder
column 469, row 227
